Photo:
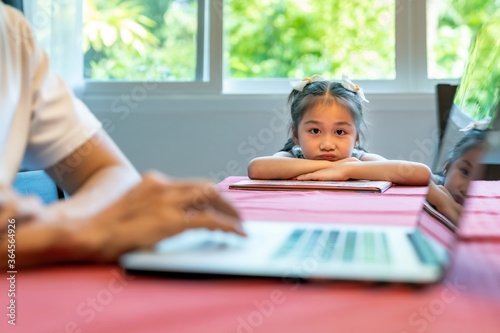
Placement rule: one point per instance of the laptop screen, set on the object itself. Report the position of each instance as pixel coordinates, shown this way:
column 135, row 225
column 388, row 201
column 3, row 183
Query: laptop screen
column 439, row 220
column 465, row 144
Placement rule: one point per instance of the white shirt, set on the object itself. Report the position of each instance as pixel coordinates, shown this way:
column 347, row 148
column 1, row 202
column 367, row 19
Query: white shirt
column 41, row 121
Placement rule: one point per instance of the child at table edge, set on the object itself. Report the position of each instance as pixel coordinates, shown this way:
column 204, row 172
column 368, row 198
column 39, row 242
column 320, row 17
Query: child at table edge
column 327, row 125
column 448, row 191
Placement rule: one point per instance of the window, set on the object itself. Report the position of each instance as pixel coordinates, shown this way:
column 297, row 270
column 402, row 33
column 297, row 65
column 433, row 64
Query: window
column 451, row 27
column 133, row 40
column 185, row 47
column 298, row 38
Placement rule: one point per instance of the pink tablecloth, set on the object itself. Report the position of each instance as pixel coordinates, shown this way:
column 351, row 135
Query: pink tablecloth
column 399, row 205
column 102, row 299
column 325, row 206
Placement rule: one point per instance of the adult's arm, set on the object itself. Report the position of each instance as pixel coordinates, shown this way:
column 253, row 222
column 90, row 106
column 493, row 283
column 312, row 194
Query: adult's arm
column 155, row 208
column 94, row 175
column 112, row 210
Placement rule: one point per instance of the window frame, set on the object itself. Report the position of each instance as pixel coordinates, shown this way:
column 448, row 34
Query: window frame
column 411, row 62
column 208, row 62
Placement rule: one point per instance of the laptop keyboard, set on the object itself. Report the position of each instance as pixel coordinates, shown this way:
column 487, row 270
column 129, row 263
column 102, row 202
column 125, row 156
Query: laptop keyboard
column 424, row 250
column 335, row 245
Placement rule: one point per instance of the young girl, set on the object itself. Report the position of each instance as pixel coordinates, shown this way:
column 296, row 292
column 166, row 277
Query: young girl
column 462, row 166
column 327, row 125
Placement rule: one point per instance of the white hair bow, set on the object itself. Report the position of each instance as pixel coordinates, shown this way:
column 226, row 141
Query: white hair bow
column 480, row 125
column 299, row 85
column 351, row 86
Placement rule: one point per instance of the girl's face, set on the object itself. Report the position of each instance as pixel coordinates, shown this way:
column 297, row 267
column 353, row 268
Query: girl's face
column 326, row 132
column 459, row 174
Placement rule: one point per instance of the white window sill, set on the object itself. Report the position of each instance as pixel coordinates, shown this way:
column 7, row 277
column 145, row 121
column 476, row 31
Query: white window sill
column 140, row 100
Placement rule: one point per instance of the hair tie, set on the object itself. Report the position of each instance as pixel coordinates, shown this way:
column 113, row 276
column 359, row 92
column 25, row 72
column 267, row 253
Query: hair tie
column 351, row 86
column 300, row 85
column 479, row 125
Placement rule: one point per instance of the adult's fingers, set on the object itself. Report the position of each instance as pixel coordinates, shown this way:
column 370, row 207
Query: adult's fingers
column 7, row 210
column 196, row 194
column 139, row 199
column 214, row 220
column 19, row 208
column 148, row 230
column 199, row 195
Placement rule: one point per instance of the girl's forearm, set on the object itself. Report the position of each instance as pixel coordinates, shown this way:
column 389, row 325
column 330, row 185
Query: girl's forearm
column 398, row 172
column 283, row 168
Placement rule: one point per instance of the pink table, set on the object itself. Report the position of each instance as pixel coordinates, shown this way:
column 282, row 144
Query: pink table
column 103, row 299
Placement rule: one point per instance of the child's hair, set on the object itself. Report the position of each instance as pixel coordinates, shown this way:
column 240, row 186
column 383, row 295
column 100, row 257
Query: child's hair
column 473, row 139
column 324, row 92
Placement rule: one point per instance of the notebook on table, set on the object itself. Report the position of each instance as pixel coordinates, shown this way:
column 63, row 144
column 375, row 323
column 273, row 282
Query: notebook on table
column 297, row 185
column 435, row 214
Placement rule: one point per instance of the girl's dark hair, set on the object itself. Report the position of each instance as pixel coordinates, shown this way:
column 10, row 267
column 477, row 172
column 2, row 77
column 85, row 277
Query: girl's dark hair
column 324, row 92
column 473, row 139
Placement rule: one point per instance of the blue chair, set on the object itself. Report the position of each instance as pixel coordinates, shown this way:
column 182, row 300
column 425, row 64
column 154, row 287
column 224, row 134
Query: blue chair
column 38, row 183
column 14, row 3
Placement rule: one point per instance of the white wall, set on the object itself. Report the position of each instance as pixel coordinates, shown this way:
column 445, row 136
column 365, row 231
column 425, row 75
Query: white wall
column 216, row 136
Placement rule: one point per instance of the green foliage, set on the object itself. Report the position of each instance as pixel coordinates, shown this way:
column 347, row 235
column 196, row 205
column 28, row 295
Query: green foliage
column 140, row 40
column 116, row 23
column 156, row 39
column 298, row 38
column 479, row 89
column 458, row 22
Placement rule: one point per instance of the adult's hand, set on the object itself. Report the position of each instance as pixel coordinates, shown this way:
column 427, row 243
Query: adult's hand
column 14, row 206
column 156, row 208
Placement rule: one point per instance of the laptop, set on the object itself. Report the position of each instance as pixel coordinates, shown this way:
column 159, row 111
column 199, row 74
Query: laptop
column 302, row 250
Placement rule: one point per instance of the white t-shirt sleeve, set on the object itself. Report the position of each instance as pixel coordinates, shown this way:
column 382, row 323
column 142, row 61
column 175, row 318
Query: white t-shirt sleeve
column 60, row 123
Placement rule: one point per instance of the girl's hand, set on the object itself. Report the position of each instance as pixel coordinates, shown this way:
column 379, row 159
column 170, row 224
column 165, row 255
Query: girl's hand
column 335, row 173
column 350, row 159
column 330, row 173
column 345, row 160
column 448, row 206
